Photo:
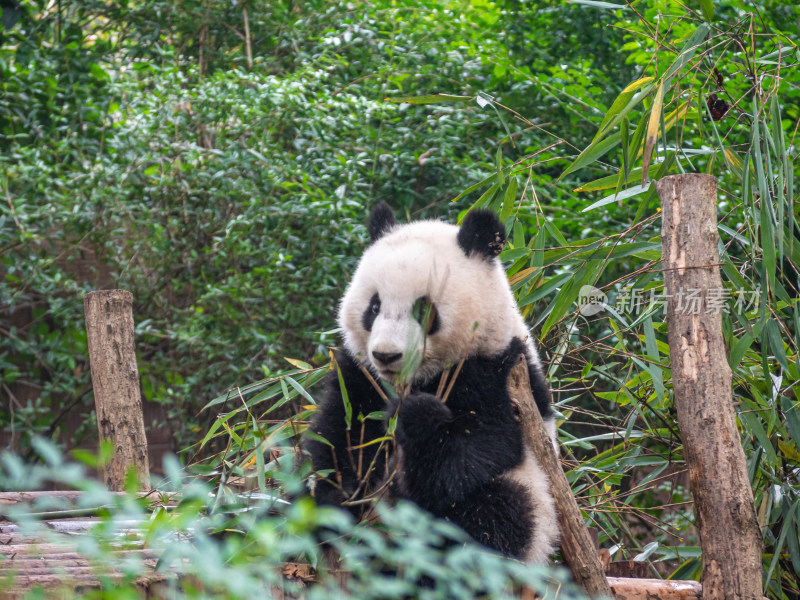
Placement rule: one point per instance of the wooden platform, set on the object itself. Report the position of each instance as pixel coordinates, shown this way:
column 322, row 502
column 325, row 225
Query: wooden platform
column 51, row 559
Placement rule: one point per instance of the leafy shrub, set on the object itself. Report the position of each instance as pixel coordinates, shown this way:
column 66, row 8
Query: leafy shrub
column 218, row 543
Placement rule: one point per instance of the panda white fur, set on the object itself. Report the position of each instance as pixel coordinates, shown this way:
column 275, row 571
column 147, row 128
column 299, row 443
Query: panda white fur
column 463, row 460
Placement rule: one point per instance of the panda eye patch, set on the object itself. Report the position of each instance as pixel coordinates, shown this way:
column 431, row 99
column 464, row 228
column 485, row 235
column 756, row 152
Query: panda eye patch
column 372, row 311
column 425, row 313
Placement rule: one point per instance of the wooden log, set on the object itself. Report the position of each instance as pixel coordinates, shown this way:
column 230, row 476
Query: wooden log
column 79, row 525
column 66, row 568
column 83, row 525
column 33, row 553
column 115, row 379
column 12, row 498
column 654, row 589
column 576, row 543
column 729, row 533
column 36, row 548
column 68, row 504
column 71, row 496
column 57, row 586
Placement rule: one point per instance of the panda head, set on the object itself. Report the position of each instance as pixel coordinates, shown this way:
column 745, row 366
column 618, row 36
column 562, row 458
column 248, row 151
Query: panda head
column 427, row 294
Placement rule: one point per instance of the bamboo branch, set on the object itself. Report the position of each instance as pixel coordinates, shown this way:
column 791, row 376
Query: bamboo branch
column 576, row 543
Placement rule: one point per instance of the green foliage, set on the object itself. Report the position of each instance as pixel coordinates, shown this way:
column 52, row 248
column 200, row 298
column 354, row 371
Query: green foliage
column 223, row 543
column 717, row 97
column 224, row 178
column 720, row 98
column 229, row 200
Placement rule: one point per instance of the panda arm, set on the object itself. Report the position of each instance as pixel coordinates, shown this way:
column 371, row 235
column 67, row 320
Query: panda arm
column 340, row 455
column 450, row 449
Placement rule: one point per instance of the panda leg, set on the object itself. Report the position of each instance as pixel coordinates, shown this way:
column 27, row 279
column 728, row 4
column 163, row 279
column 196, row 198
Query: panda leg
column 498, row 515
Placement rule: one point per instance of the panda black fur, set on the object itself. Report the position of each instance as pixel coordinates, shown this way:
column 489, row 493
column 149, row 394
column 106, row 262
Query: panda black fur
column 463, row 460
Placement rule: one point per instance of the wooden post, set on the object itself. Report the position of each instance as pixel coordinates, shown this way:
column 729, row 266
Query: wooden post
column 576, row 543
column 701, row 378
column 115, row 379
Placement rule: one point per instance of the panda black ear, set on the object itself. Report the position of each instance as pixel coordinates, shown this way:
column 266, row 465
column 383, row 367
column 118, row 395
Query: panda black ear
column 381, row 221
column 482, row 233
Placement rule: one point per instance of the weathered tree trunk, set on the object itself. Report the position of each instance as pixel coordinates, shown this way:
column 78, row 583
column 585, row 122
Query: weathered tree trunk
column 701, row 379
column 576, row 543
column 115, row 378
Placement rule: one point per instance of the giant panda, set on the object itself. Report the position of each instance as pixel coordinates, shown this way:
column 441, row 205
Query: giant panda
column 429, row 298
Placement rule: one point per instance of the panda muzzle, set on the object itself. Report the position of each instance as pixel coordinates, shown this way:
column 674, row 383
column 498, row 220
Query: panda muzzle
column 386, row 358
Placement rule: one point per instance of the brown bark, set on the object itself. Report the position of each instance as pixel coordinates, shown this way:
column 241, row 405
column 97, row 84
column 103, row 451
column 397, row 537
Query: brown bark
column 576, row 543
column 701, row 378
column 115, row 379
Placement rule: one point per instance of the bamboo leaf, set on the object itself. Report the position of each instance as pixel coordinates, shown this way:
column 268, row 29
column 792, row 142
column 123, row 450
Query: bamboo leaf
column 301, row 390
column 501, row 178
column 599, row 4
column 688, row 51
column 626, row 156
column 608, row 182
column 646, row 552
column 565, row 299
column 429, row 99
column 487, row 196
column 739, row 349
column 776, row 342
column 652, row 131
column 627, row 99
column 475, row 186
column 556, row 233
column 544, row 289
column 707, row 7
column 629, row 193
column 594, row 151
column 348, row 407
column 652, row 350
column 519, row 235
column 514, row 253
column 783, row 170
column 792, row 414
column 537, row 260
column 638, row 136
column 509, row 198
column 791, row 522
column 299, row 364
column 755, row 427
column 619, row 186
column 787, row 524
column 214, row 427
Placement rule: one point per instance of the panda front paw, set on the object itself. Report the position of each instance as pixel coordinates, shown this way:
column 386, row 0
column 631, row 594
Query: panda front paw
column 419, row 414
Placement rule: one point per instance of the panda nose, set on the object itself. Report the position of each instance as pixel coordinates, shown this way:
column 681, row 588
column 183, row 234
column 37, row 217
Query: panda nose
column 387, row 358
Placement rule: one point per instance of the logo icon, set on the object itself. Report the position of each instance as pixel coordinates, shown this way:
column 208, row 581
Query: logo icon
column 591, row 300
